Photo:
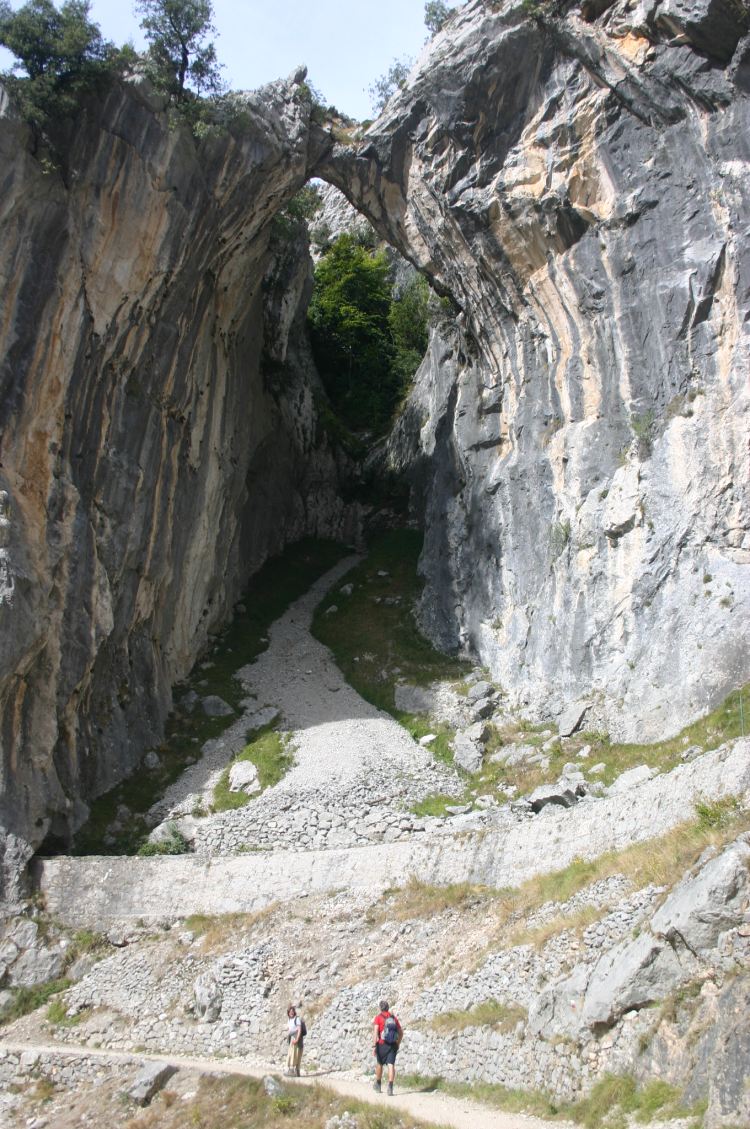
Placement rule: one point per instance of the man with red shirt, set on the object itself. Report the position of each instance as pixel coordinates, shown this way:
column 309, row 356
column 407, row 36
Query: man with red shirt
column 388, row 1035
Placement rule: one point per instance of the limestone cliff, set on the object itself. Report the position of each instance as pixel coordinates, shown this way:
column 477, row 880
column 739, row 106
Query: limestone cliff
column 579, row 183
column 159, row 434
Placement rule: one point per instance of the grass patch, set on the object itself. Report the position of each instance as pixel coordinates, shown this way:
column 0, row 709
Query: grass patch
column 57, row 1014
column 612, row 1100
column 661, row 862
column 489, row 1013
column 26, row 1000
column 270, row 592
column 236, row 1101
column 172, row 843
column 721, row 725
column 373, row 634
column 435, row 804
column 218, row 931
column 269, row 753
column 562, row 923
column 421, row 899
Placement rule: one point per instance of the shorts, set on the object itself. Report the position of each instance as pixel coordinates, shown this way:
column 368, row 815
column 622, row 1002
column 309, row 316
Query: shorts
column 386, row 1053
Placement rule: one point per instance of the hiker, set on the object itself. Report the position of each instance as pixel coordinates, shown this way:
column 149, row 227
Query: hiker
column 388, row 1035
column 296, row 1032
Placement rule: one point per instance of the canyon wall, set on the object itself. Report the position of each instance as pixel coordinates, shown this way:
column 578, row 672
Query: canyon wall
column 159, row 431
column 579, row 185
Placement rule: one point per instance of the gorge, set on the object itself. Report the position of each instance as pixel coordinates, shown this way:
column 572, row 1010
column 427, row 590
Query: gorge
column 574, row 181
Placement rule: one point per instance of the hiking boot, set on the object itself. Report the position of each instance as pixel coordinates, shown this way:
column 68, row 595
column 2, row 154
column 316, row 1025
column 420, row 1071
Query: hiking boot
column 376, row 1087
column 297, row 1071
column 390, row 1089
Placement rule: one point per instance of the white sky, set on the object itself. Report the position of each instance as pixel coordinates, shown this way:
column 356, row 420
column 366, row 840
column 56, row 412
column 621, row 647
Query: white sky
column 347, row 44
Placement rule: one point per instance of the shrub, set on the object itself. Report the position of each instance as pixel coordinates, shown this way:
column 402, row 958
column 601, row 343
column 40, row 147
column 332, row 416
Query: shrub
column 173, row 843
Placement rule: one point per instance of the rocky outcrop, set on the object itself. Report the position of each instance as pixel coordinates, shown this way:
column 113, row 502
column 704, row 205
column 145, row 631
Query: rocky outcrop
column 578, row 183
column 159, row 429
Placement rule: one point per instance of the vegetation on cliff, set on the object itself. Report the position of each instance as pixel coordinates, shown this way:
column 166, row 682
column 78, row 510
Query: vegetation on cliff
column 368, row 335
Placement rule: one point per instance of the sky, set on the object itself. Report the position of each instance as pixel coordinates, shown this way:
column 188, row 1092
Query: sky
column 346, row 44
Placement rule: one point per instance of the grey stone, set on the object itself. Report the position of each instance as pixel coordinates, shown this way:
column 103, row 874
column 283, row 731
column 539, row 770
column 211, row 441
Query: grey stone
column 468, row 753
column 36, row 966
column 565, row 793
column 413, row 699
column 214, row 706
column 708, row 902
column 272, row 1086
column 243, row 777
column 630, row 779
column 149, row 1081
column 630, row 975
column 483, row 708
column 478, row 691
column 208, row 998
column 151, row 760
column 571, row 717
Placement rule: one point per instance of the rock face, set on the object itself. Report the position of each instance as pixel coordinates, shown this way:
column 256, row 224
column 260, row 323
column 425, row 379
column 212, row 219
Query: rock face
column 577, row 439
column 159, row 433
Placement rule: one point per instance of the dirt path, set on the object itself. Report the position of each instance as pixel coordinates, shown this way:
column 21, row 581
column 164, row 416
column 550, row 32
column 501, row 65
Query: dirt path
column 434, row 1108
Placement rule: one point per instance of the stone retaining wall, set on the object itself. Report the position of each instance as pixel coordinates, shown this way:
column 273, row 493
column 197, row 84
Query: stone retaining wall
column 98, row 892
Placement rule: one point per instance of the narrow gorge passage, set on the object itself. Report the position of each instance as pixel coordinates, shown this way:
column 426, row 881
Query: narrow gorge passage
column 348, row 755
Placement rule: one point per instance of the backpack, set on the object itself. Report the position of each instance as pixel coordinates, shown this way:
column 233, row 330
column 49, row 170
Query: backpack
column 390, row 1029
column 302, row 1028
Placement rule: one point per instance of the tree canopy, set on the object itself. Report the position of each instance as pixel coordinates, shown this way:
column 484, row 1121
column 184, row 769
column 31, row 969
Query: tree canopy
column 60, row 50
column 435, row 15
column 367, row 340
column 181, row 52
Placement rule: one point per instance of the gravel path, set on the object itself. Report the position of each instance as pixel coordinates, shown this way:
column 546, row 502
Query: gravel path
column 349, row 756
column 434, row 1108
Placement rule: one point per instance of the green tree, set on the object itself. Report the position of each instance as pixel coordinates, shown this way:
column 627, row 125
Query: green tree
column 181, row 53
column 435, row 15
column 408, row 319
column 60, row 52
column 386, row 86
column 349, row 330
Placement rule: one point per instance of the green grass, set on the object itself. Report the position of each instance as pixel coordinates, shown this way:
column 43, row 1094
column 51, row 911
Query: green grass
column 268, row 752
column 489, row 1013
column 58, row 1016
column 722, row 724
column 611, row 1101
column 26, row 1000
column 235, row 1102
column 377, row 644
column 270, row 592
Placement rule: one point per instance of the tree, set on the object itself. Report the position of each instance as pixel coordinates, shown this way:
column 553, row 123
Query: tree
column 180, row 51
column 348, row 318
column 435, row 15
column 386, row 86
column 61, row 52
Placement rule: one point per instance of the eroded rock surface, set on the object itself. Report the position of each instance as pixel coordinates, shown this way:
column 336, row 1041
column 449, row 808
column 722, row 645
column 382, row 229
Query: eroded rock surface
column 579, row 185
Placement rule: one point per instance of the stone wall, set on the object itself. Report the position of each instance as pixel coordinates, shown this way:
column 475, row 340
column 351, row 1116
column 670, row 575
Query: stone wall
column 98, row 892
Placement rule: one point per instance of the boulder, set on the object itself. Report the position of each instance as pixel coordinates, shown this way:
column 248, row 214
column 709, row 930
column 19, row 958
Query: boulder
column 713, row 26
column 468, row 749
column 208, row 998
column 36, row 966
column 631, row 779
column 512, row 755
column 214, row 706
column 571, row 718
column 566, row 792
column 556, row 1011
column 243, row 777
column 707, row 903
column 479, row 690
column 149, row 1080
column 151, row 760
column 629, row 976
column 485, row 707
column 413, row 699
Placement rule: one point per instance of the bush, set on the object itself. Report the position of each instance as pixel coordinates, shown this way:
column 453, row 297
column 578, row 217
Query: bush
column 173, row 843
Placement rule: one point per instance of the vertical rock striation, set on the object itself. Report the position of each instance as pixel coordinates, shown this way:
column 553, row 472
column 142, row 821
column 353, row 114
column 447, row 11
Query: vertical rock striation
column 153, row 452
column 579, row 183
